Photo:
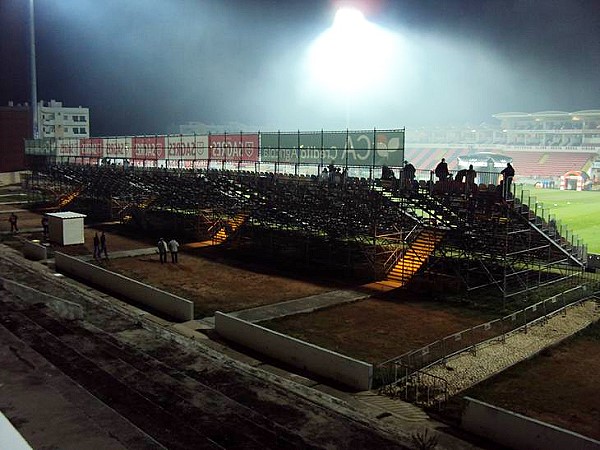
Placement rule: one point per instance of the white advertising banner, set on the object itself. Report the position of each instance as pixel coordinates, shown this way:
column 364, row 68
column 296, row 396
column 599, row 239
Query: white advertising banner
column 187, row 147
column 119, row 147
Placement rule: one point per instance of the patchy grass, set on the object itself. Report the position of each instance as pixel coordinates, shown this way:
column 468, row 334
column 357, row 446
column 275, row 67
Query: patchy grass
column 375, row 330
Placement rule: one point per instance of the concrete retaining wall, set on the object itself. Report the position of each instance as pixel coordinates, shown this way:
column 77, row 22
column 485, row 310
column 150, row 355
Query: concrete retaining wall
column 62, row 307
column 7, row 178
column 34, row 251
column 10, row 437
column 342, row 369
column 519, row 432
column 173, row 305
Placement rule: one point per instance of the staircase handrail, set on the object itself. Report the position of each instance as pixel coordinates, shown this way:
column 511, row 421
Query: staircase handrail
column 382, row 189
column 433, row 203
column 557, row 245
column 396, row 254
column 550, row 239
column 393, row 389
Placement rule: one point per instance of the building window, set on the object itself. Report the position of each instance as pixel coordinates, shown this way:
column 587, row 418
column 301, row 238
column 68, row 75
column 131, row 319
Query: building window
column 65, row 117
column 75, row 118
column 82, row 119
column 82, row 131
column 66, row 129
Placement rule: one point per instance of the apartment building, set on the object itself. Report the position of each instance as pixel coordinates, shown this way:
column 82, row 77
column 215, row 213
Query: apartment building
column 56, row 120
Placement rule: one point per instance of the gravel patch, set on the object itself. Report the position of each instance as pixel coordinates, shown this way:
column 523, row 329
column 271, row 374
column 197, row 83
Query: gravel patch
column 469, row 368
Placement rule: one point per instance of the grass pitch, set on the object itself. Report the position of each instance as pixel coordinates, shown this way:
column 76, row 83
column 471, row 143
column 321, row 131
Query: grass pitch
column 580, row 211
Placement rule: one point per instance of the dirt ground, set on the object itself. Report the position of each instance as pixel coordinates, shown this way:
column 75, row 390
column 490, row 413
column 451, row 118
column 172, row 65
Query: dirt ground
column 376, row 330
column 26, row 219
column 216, row 285
column 213, row 282
column 559, row 387
column 108, row 382
column 372, row 330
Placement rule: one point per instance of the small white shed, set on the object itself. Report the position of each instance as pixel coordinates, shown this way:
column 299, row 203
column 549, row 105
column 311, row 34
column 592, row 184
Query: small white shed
column 66, row 228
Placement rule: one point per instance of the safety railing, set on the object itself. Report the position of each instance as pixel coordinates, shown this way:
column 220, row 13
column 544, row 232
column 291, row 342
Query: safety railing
column 418, row 387
column 393, row 370
column 395, row 255
column 558, row 232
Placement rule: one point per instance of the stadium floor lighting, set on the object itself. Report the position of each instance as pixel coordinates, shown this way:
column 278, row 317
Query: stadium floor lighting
column 351, row 54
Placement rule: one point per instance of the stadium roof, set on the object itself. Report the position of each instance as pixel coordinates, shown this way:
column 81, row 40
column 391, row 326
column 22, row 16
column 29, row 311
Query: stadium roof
column 587, row 112
column 522, row 115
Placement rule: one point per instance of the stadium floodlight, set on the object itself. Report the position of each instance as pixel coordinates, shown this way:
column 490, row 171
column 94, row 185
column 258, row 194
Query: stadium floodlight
column 350, row 55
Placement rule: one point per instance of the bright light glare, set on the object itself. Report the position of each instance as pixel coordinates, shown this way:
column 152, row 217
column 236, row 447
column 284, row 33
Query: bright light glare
column 348, row 18
column 351, row 54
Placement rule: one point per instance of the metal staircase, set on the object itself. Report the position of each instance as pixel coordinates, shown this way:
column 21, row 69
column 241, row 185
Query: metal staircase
column 414, row 257
column 229, row 228
column 65, row 199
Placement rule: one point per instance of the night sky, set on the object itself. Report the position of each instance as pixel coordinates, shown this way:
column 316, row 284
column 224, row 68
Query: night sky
column 146, row 66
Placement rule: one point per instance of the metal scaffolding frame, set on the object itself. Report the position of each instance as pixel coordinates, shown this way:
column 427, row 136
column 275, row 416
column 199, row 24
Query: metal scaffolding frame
column 361, row 227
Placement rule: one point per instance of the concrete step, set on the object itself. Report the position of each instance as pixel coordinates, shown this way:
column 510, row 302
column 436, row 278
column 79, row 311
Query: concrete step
column 385, row 285
column 398, row 408
column 151, row 394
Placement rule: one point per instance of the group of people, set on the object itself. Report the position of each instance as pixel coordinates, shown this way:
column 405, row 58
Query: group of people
column 100, row 241
column 100, row 246
column 464, row 175
column 407, row 175
column 172, row 246
column 334, row 176
column 13, row 219
column 468, row 175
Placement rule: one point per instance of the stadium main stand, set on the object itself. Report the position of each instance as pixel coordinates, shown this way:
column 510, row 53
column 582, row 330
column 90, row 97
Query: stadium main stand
column 526, row 163
column 549, row 164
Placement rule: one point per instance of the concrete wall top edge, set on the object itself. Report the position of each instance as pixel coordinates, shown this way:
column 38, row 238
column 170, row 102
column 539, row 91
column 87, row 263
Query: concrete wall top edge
column 299, row 341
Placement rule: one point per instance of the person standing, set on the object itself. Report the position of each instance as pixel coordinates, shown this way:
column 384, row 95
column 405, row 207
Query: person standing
column 162, row 250
column 13, row 222
column 387, row 173
column 45, row 226
column 508, row 174
column 441, row 170
column 409, row 174
column 173, row 248
column 96, row 246
column 470, row 177
column 103, row 246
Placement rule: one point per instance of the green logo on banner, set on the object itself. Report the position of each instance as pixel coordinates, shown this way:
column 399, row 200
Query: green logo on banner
column 340, row 148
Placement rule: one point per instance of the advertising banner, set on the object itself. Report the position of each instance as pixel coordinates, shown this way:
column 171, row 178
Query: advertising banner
column 233, row 147
column 186, row 148
column 150, row 148
column 93, row 147
column 45, row 146
column 67, row 147
column 119, row 147
column 340, row 148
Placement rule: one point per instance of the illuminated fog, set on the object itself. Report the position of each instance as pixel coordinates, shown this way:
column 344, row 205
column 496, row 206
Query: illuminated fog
column 146, row 66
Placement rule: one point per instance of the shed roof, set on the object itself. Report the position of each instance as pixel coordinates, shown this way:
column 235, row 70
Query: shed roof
column 66, row 215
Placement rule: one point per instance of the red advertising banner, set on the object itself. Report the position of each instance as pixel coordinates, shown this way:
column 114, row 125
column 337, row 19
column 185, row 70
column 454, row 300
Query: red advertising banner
column 67, row 147
column 91, row 147
column 233, row 147
column 148, row 147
